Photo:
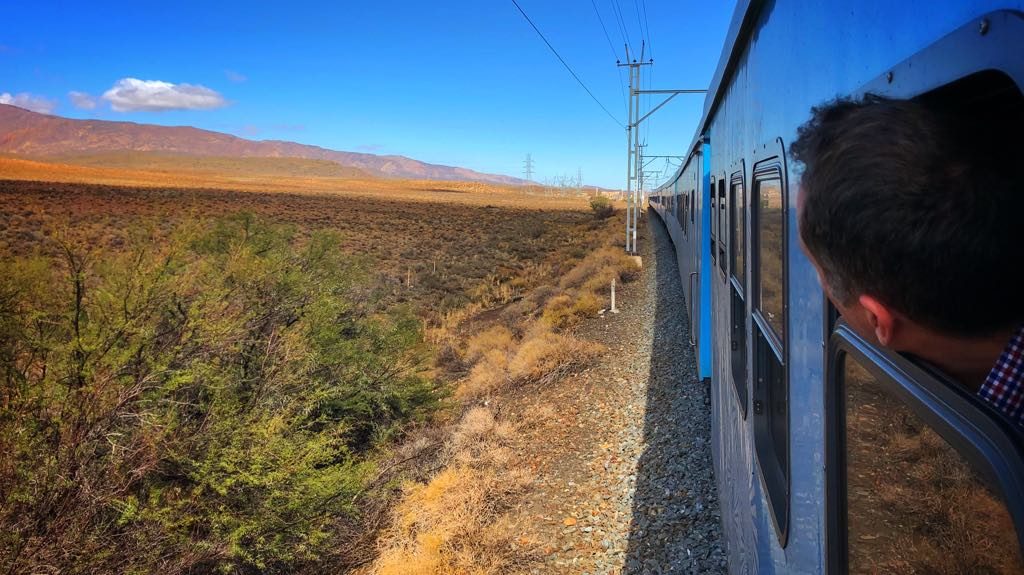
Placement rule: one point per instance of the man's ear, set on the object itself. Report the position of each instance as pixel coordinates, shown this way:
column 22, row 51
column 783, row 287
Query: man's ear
column 881, row 318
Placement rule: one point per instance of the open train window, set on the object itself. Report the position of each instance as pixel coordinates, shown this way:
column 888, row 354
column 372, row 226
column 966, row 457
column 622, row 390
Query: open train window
column 923, row 479
column 737, row 287
column 771, row 389
column 723, row 227
column 922, row 475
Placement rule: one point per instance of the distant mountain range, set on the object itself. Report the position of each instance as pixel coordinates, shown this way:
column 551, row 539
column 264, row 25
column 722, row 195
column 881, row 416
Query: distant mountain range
column 34, row 135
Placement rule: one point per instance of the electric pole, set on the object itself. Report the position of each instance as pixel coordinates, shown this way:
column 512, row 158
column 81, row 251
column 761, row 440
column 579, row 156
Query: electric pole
column 634, row 152
column 579, row 180
column 528, row 168
column 632, row 147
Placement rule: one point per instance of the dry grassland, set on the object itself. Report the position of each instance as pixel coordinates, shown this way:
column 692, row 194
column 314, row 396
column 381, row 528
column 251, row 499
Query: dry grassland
column 438, row 254
column 284, row 177
column 499, row 277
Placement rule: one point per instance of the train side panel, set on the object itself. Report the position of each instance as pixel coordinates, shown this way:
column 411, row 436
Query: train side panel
column 788, row 56
column 793, row 55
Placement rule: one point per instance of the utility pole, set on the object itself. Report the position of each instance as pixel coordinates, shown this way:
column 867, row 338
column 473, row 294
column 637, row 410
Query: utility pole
column 634, row 153
column 579, row 180
column 640, row 174
column 528, row 168
column 632, row 146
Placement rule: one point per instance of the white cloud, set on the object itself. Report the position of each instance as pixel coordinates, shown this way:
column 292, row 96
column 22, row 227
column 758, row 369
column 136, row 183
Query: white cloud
column 133, row 95
column 82, row 101
column 29, row 102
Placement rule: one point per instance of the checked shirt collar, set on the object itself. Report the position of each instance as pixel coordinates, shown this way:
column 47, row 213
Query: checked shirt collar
column 1004, row 386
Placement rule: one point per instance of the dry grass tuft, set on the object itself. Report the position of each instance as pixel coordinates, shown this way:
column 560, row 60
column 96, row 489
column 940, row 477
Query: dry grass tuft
column 545, row 356
column 498, row 338
column 542, row 356
column 457, row 523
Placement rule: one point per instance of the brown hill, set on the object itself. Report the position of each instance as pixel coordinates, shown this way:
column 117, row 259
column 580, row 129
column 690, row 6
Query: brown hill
column 29, row 134
column 216, row 165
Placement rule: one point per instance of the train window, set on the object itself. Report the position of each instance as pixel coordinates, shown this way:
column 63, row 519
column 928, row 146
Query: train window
column 913, row 503
column 738, row 217
column 738, row 344
column 682, row 215
column 770, row 386
column 770, row 252
column 693, row 201
column 737, row 288
column 714, row 223
column 723, row 227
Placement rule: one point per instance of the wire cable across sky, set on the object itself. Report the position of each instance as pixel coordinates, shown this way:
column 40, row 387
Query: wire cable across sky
column 567, row 67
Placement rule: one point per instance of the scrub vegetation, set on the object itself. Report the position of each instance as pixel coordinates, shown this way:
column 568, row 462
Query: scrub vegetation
column 243, row 382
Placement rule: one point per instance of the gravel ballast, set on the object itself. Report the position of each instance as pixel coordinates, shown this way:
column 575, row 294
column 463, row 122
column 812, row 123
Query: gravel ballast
column 676, row 525
column 623, row 466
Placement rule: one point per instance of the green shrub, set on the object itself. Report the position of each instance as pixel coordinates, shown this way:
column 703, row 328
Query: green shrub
column 209, row 403
column 602, row 207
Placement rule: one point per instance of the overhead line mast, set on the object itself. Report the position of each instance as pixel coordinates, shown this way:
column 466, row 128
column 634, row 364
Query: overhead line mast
column 634, row 168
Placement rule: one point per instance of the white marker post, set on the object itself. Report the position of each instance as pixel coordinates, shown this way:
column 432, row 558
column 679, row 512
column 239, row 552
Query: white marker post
column 613, row 310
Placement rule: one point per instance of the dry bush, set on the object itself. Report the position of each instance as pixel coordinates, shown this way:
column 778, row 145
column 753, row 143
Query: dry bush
column 498, row 338
column 539, row 297
column 488, row 375
column 584, row 286
column 610, row 261
column 457, row 523
column 565, row 311
column 558, row 312
column 545, row 356
column 587, row 304
column 541, row 357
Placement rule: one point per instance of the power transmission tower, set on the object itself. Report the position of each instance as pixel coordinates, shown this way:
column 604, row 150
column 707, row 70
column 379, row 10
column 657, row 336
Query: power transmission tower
column 528, row 168
column 579, row 180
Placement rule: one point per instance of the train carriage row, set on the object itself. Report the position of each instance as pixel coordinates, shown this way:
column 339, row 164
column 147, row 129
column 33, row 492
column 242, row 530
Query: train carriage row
column 832, row 455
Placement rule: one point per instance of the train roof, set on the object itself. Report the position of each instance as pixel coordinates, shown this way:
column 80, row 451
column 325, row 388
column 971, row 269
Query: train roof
column 743, row 18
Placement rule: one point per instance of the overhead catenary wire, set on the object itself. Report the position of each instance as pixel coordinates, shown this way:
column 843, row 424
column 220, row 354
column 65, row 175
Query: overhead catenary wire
column 622, row 87
column 643, row 34
column 603, row 28
column 647, row 24
column 623, row 31
column 566, row 64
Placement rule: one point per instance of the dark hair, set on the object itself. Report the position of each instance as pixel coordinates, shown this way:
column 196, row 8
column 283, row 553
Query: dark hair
column 918, row 207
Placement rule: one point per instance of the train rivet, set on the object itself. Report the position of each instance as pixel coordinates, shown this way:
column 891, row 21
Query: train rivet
column 983, row 27
column 888, row 77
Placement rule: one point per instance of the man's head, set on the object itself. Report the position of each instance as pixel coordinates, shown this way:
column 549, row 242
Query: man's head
column 913, row 218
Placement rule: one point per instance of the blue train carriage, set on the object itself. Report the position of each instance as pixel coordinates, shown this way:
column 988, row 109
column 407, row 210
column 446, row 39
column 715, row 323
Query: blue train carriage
column 679, row 203
column 832, row 455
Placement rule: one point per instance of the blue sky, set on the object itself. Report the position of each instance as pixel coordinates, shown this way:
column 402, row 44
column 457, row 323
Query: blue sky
column 467, row 84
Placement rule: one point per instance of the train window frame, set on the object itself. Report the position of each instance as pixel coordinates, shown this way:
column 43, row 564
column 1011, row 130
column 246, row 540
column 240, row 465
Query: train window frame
column 739, row 327
column 713, row 232
column 986, row 440
column 986, row 44
column 683, row 208
column 767, row 170
column 770, row 379
column 722, row 215
column 693, row 207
